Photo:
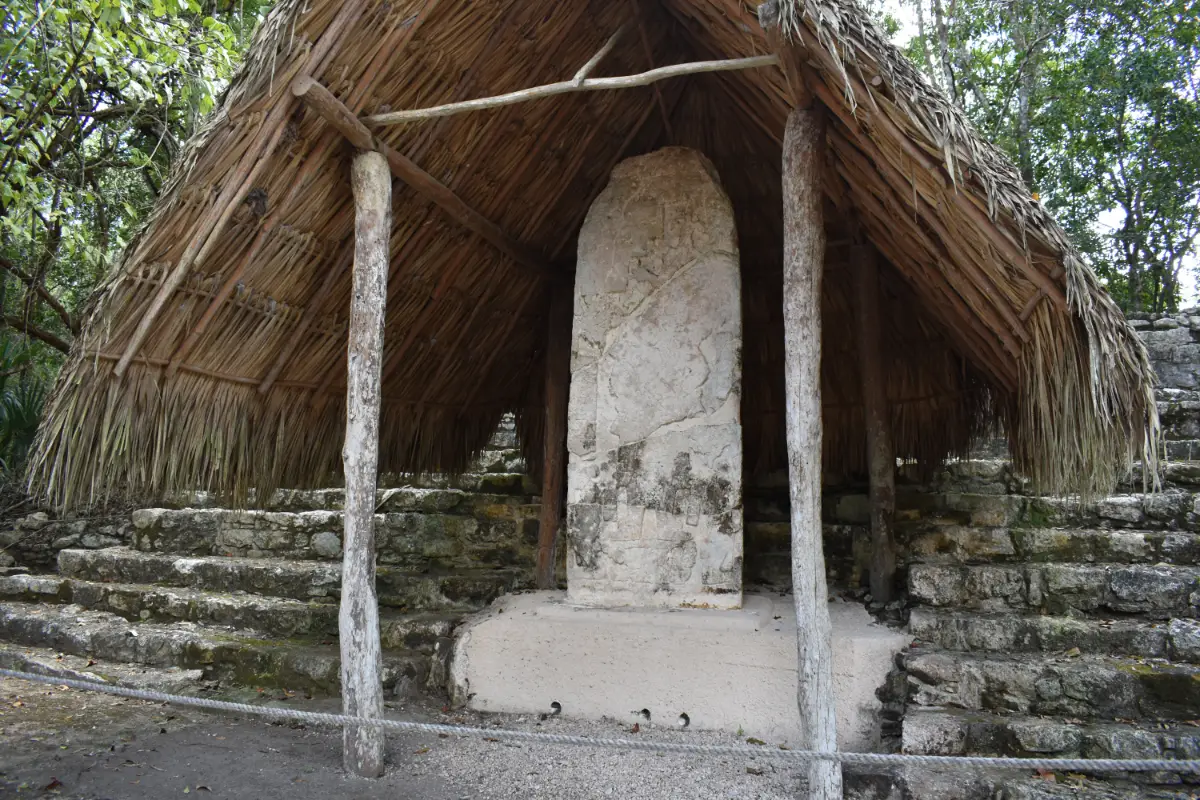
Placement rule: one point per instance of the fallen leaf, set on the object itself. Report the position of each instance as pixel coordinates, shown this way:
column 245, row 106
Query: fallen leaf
column 636, row 728
column 1047, row 776
column 421, row 751
column 443, row 736
column 752, row 740
column 53, row 784
column 490, row 739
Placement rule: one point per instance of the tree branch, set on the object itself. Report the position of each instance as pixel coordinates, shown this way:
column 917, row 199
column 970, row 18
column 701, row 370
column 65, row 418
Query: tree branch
column 33, row 331
column 42, row 292
column 563, row 87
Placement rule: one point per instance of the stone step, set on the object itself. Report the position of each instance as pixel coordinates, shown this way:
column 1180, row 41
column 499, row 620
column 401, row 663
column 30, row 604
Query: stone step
column 271, row 617
column 965, row 544
column 1178, row 639
column 464, row 590
column 221, row 654
column 1171, row 509
column 1075, row 787
column 1157, row 591
column 400, row 492
column 957, row 732
column 1183, row 449
column 1087, row 687
column 498, row 531
column 56, row 664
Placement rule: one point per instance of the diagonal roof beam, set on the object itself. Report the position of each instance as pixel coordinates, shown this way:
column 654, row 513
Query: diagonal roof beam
column 391, row 44
column 322, row 101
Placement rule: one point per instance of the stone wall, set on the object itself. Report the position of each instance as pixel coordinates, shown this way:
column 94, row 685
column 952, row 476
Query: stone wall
column 654, row 499
column 1173, row 341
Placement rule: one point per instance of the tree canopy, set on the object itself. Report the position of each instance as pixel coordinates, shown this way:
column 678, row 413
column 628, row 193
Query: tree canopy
column 1099, row 105
column 96, row 97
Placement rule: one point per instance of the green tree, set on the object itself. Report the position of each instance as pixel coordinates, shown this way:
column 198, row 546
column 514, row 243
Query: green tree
column 96, row 97
column 1098, row 105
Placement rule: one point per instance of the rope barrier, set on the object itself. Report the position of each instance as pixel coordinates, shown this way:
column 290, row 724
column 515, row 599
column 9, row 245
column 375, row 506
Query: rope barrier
column 746, row 751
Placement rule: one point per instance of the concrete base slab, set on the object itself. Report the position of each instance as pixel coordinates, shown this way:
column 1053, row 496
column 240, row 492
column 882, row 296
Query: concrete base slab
column 728, row 670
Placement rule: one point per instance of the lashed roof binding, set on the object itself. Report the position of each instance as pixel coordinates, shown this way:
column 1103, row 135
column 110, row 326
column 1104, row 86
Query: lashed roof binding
column 239, row 378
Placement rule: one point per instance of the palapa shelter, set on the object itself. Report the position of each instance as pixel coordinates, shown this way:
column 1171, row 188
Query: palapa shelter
column 215, row 354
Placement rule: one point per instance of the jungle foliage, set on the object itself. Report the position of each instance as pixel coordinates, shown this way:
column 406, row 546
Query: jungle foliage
column 96, row 97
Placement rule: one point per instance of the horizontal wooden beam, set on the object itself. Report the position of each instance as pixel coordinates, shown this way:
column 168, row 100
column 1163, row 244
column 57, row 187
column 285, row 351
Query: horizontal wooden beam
column 573, row 85
column 321, row 100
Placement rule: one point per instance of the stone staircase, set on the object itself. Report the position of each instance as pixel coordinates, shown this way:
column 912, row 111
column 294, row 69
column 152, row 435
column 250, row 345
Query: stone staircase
column 1052, row 628
column 198, row 596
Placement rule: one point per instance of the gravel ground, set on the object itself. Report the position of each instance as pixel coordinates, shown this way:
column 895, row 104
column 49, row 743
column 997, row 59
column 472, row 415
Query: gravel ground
column 506, row 769
column 56, row 742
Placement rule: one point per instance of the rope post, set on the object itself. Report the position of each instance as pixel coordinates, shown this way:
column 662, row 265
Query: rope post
column 803, row 265
column 358, row 620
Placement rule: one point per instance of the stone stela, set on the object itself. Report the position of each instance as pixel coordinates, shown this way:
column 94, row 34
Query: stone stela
column 654, row 435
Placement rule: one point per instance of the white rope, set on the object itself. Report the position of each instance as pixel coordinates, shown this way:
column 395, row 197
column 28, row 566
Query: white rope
column 744, row 751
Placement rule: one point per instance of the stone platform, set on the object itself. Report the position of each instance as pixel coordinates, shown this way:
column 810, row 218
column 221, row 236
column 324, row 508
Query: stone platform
column 728, row 670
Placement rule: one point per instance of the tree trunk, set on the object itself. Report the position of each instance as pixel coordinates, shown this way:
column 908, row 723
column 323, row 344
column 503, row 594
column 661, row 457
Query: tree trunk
column 358, row 622
column 558, row 381
column 943, row 36
column 919, row 6
column 803, row 264
column 881, row 460
column 1026, row 43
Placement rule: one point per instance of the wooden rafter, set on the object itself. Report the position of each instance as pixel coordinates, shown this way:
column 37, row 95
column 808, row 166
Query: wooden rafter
column 254, row 160
column 649, row 51
column 321, row 100
column 418, row 238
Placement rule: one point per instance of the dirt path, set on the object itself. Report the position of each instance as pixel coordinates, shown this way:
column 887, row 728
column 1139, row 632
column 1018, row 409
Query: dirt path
column 56, row 742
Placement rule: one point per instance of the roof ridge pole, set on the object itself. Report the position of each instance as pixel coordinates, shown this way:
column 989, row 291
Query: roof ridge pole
column 803, row 267
column 358, row 617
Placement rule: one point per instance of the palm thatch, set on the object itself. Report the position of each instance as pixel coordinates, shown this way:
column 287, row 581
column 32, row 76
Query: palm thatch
column 243, row 270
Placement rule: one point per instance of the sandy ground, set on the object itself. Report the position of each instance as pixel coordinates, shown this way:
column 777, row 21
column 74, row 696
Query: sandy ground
column 57, row 742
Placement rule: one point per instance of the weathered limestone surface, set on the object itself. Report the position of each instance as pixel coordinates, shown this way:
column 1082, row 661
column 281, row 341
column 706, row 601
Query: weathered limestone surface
column 654, row 512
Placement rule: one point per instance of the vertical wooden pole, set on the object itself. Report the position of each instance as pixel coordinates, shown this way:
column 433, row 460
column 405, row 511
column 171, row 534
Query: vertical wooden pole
column 358, row 621
column 554, row 464
column 881, row 459
column 803, row 263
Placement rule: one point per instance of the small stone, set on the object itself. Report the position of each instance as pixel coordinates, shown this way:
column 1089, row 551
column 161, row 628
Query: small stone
column 327, row 544
column 63, row 542
column 1165, row 324
column 6, row 560
column 753, row 768
column 34, row 522
column 1185, row 639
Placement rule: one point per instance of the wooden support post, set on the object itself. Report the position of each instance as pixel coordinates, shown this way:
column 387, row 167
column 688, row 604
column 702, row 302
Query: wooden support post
column 358, row 622
column 803, row 258
column 554, row 463
column 881, row 459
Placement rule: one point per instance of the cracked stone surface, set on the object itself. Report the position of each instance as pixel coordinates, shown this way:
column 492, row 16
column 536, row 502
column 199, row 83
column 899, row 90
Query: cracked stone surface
column 654, row 498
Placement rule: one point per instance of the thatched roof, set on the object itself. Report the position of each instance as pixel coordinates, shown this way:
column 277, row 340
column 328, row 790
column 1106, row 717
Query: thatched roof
column 990, row 314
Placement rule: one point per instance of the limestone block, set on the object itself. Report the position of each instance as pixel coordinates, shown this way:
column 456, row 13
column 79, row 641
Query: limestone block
column 327, row 544
column 1185, row 639
column 728, row 670
column 654, row 514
